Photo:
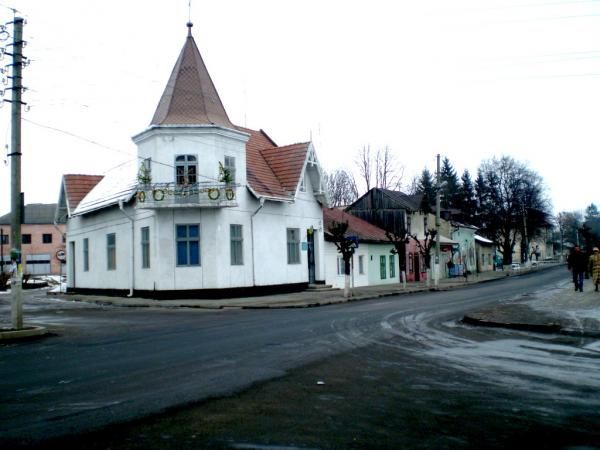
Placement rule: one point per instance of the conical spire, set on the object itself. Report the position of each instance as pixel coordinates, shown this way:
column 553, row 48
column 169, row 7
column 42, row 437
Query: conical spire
column 190, row 97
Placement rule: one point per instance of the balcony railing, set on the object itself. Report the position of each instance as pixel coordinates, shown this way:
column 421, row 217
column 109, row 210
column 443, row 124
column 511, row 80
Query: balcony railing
column 196, row 195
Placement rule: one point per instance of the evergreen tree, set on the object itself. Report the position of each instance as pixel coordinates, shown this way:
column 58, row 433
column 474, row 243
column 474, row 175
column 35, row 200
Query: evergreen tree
column 427, row 188
column 467, row 198
column 450, row 192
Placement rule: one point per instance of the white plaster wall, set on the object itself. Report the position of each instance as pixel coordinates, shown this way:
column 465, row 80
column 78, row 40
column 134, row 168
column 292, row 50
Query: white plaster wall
column 371, row 276
column 265, row 256
column 209, row 144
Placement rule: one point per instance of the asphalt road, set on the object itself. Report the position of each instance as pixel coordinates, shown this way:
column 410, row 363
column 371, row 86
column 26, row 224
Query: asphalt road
column 107, row 365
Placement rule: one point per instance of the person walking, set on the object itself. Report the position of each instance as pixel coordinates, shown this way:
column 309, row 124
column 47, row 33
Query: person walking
column 577, row 263
column 595, row 267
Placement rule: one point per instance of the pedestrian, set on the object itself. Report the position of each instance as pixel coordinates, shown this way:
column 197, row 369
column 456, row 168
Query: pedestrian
column 577, row 263
column 595, row 267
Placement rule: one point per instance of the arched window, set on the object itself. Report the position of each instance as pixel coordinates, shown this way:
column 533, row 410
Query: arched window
column 186, row 169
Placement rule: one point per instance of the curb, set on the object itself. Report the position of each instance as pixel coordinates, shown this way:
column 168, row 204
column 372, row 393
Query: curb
column 25, row 333
column 538, row 328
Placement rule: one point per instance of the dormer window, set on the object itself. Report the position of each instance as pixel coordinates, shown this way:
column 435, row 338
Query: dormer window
column 186, row 169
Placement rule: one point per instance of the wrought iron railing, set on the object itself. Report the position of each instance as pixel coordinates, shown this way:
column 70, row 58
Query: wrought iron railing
column 172, row 195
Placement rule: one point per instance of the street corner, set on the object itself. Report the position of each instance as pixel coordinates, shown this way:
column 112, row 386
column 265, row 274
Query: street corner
column 514, row 316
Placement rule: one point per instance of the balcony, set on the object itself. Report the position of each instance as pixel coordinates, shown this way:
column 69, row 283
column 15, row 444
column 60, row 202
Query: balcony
column 194, row 195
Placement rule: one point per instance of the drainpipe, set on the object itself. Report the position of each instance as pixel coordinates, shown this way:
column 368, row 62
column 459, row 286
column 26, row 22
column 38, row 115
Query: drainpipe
column 132, row 259
column 262, row 203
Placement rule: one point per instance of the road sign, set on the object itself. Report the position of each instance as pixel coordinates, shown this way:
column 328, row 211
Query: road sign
column 61, row 255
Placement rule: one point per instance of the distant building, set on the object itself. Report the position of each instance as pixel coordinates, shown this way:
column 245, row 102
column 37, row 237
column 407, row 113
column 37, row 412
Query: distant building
column 372, row 262
column 41, row 239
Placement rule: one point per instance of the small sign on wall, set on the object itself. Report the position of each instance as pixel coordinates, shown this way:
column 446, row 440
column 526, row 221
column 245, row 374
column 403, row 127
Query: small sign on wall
column 304, row 246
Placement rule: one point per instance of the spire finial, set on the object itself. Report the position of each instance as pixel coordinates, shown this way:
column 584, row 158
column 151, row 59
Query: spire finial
column 189, row 22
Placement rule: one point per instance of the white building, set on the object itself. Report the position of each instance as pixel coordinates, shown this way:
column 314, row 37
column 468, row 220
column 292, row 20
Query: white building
column 373, row 263
column 209, row 209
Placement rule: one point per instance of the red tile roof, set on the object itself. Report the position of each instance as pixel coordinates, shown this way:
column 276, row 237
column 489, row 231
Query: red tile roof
column 273, row 171
column 287, row 162
column 77, row 187
column 365, row 231
column 190, row 97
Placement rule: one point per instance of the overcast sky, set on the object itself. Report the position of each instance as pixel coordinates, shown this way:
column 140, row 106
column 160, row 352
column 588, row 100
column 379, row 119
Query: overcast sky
column 469, row 80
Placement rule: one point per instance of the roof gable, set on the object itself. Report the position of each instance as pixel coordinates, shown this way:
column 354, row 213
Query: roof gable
column 117, row 185
column 190, row 97
column 76, row 187
column 287, row 163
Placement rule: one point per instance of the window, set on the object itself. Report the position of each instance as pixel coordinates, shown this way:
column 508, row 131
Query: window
column 361, row 264
column 303, row 184
column 86, row 255
column 145, row 175
column 382, row 269
column 340, row 266
column 237, row 249
column 188, row 245
column 111, row 251
column 392, row 267
column 4, row 239
column 410, row 263
column 145, row 242
column 26, row 239
column 186, row 168
column 47, row 238
column 230, row 167
column 424, row 224
column 293, row 246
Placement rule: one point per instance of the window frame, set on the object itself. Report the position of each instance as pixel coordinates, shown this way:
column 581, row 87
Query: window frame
column 392, row 266
column 187, row 240
column 25, row 236
column 111, row 251
column 185, row 162
column 145, row 246
column 236, row 245
column 382, row 267
column 86, row 254
column 293, row 246
column 227, row 165
column 46, row 238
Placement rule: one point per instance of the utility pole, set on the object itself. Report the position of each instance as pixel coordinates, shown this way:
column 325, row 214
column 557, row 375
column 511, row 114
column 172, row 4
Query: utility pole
column 15, row 171
column 438, row 187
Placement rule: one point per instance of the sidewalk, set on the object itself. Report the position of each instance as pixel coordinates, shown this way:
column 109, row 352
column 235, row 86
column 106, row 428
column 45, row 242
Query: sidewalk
column 303, row 299
column 561, row 310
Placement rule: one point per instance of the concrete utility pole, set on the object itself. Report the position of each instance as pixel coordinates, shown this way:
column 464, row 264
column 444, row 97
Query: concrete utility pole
column 15, row 172
column 438, row 187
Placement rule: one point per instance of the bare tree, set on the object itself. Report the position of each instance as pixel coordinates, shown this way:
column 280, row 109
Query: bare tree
column 341, row 188
column 382, row 166
column 345, row 247
column 364, row 164
column 425, row 248
column 388, row 175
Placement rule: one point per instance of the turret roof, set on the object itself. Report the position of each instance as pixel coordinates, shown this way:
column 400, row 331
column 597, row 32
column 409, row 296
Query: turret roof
column 190, row 97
